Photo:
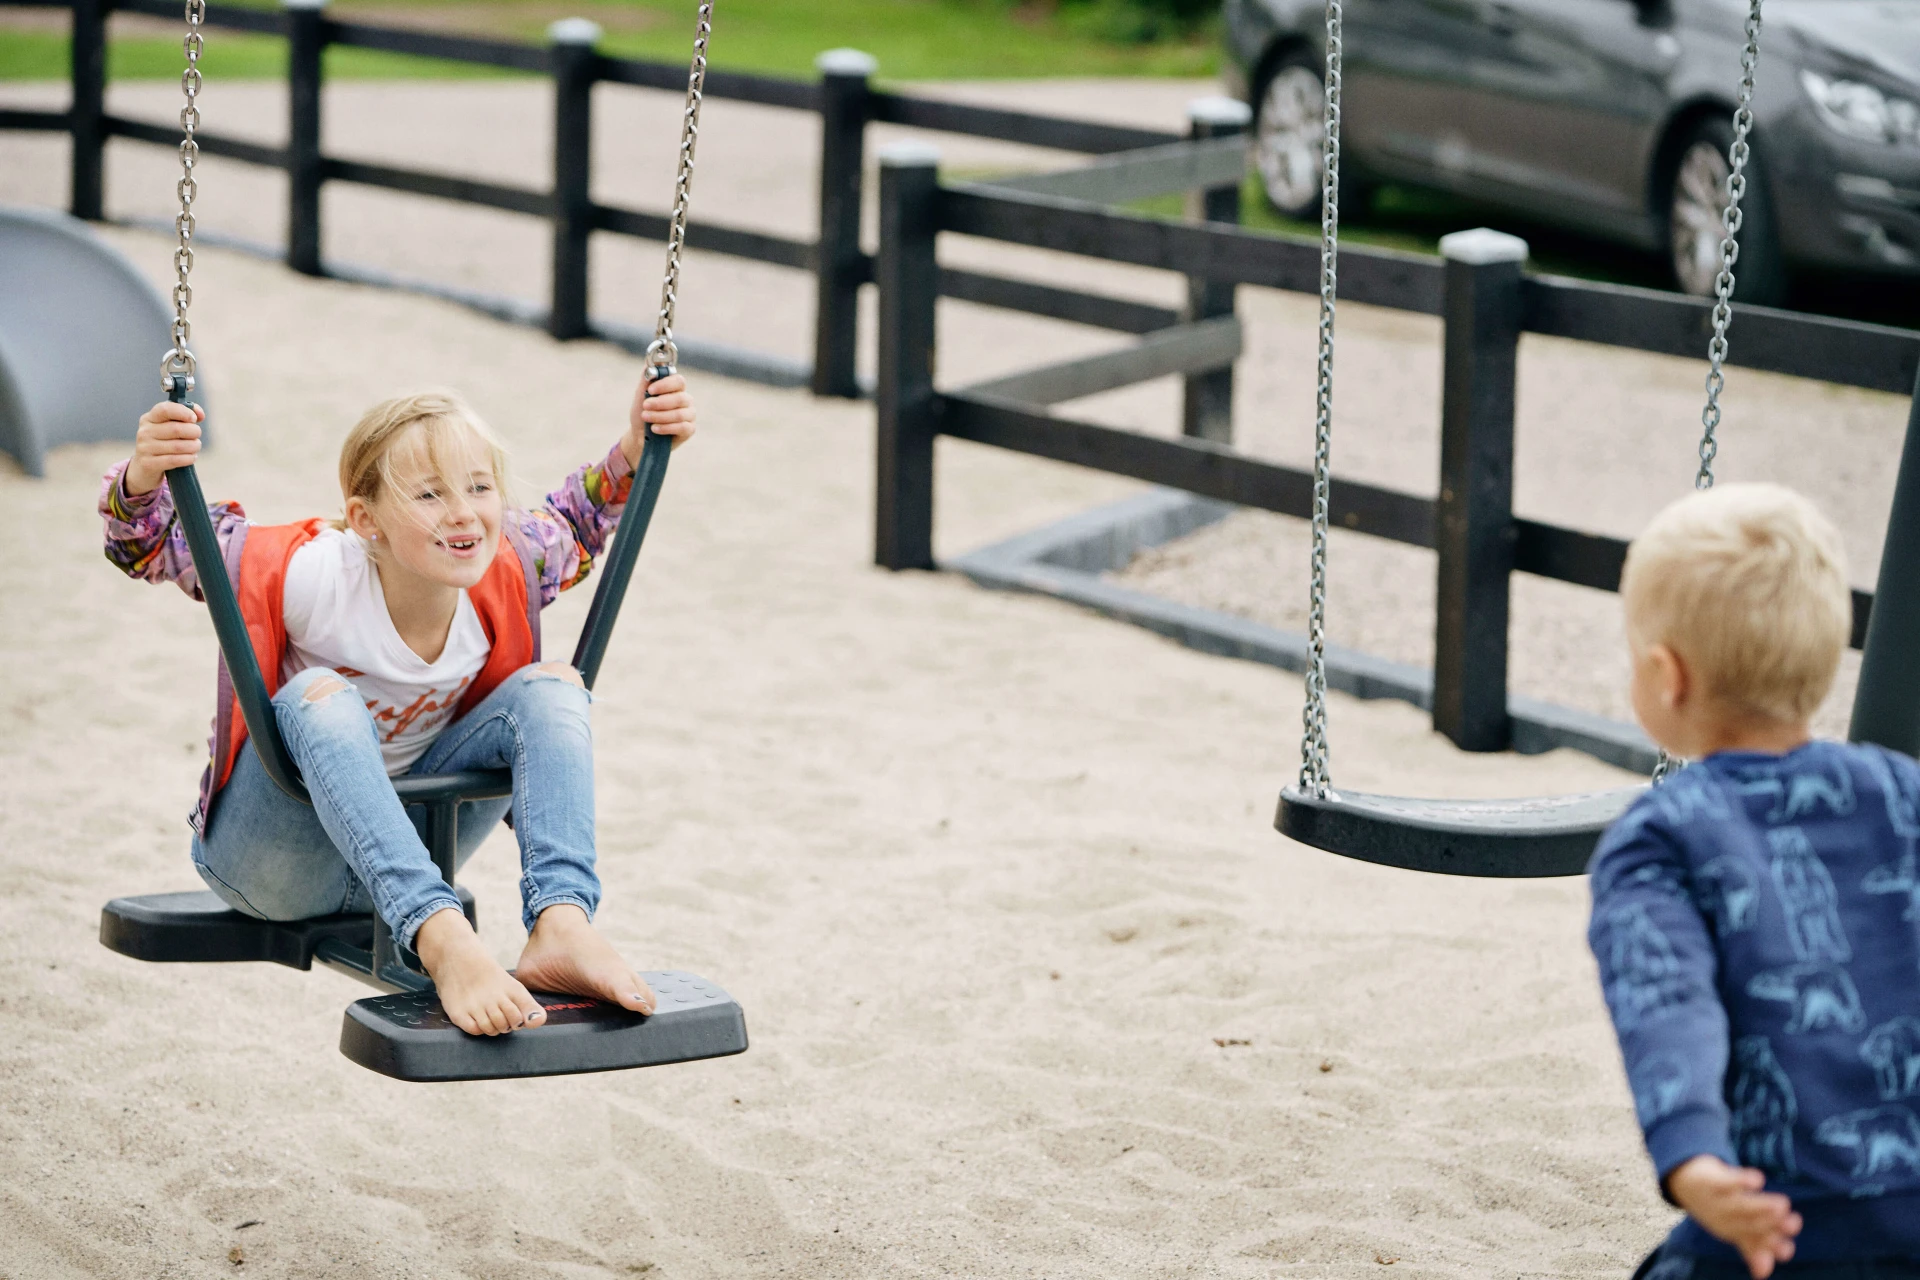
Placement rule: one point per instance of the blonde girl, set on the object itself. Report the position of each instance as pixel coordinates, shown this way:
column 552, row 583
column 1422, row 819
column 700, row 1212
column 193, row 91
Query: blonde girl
column 396, row 640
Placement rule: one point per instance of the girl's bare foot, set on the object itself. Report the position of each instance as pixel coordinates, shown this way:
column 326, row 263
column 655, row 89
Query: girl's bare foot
column 564, row 954
column 480, row 997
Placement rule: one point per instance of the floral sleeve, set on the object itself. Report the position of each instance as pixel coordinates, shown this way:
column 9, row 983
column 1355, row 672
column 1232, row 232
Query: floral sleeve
column 144, row 541
column 572, row 526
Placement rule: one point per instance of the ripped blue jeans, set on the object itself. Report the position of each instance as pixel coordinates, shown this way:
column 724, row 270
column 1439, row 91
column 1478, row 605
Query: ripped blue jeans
column 358, row 848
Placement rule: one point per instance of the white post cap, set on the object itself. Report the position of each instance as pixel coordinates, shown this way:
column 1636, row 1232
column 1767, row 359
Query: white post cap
column 1481, row 246
column 575, row 31
column 910, row 155
column 1218, row 111
column 846, row 62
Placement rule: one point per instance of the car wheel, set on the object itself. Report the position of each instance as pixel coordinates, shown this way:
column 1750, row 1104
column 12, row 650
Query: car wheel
column 1289, row 129
column 1697, row 195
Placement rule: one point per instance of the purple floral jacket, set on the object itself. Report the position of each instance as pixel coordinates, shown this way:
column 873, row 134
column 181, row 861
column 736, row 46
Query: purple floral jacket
column 556, row 543
column 564, row 533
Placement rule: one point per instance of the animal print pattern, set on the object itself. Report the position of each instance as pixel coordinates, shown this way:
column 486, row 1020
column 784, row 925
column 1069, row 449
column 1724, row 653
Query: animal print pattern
column 1764, row 1107
column 1892, row 1049
column 1660, row 1086
column 1645, row 974
column 1823, row 997
column 1808, row 894
column 1883, row 1140
column 1730, row 893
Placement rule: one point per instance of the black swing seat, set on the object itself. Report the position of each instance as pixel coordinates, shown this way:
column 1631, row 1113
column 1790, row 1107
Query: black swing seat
column 198, row 928
column 406, row 1035
column 1523, row 838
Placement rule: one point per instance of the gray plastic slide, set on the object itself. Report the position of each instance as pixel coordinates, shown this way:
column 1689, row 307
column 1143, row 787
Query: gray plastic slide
column 81, row 337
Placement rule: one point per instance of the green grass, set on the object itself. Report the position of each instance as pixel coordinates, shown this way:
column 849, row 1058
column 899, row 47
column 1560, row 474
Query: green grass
column 44, row 55
column 913, row 39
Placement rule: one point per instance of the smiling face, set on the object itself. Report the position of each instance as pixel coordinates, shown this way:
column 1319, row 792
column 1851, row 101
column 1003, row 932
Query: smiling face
column 437, row 510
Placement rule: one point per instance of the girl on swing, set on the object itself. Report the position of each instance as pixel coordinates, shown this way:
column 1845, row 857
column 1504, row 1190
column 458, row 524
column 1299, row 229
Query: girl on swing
column 395, row 640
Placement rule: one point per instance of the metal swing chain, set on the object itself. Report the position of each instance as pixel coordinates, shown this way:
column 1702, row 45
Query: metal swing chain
column 1314, row 776
column 661, row 352
column 1730, row 220
column 179, row 361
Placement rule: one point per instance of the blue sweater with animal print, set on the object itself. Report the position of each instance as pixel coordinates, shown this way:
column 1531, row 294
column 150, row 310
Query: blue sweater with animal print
column 1756, row 919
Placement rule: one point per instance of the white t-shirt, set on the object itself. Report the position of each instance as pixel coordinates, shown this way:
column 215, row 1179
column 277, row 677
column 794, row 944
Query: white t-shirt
column 337, row 617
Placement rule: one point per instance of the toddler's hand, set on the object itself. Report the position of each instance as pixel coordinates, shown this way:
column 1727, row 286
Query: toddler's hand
column 169, row 437
column 1732, row 1204
column 666, row 407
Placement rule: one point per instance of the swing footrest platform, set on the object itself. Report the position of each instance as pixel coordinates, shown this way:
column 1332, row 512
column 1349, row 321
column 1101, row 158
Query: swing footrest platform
column 409, row 1037
column 198, row 928
column 1537, row 836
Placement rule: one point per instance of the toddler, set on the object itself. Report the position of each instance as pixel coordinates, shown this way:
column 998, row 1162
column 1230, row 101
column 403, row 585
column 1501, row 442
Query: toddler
column 1756, row 917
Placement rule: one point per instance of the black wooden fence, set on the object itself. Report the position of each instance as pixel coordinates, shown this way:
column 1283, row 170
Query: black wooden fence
column 843, row 97
column 1479, row 289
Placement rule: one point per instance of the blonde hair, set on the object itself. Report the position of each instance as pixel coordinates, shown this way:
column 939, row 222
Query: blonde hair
column 447, row 428
column 1748, row 583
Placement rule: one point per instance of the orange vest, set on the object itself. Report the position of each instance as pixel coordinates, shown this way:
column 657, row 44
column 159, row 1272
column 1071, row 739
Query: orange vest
column 506, row 599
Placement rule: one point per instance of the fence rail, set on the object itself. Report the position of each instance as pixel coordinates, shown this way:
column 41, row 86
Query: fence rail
column 1485, row 306
column 1485, row 302
column 843, row 97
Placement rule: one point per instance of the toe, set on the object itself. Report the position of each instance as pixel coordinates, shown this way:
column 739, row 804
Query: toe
column 532, row 1012
column 636, row 995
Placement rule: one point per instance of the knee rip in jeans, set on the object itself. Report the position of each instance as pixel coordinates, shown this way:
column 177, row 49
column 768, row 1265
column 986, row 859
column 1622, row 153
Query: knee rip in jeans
column 559, row 671
column 324, row 687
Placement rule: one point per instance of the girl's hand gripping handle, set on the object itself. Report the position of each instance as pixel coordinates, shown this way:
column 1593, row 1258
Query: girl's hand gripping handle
column 660, row 404
column 169, row 438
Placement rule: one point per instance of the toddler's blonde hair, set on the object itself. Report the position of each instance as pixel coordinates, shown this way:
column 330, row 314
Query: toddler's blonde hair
column 447, row 428
column 1748, row 583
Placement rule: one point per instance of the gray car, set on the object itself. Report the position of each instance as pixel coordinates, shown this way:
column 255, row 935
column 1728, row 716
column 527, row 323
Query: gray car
column 1613, row 118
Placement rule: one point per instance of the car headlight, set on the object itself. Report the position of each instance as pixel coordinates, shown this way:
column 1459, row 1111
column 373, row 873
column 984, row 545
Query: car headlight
column 1862, row 111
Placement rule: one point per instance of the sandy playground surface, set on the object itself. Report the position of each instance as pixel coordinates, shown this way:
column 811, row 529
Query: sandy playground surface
column 1034, row 988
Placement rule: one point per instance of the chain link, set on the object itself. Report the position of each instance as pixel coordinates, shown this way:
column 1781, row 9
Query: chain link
column 661, row 352
column 1314, row 768
column 1730, row 220
column 179, row 361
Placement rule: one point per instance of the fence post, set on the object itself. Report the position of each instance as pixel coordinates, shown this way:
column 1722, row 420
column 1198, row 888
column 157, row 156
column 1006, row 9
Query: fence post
column 572, row 41
column 306, row 45
column 1207, row 401
column 844, row 74
column 1886, row 705
column 88, row 120
column 1474, row 525
column 909, row 279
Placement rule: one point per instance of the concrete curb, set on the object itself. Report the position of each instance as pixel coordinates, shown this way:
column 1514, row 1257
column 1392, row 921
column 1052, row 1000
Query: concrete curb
column 1066, row 559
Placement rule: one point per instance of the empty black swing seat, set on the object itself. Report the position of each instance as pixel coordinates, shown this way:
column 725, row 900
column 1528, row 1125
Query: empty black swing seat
column 1523, row 838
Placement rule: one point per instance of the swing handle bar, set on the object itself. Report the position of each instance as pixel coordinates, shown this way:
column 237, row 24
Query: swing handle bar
column 236, row 647
column 648, row 476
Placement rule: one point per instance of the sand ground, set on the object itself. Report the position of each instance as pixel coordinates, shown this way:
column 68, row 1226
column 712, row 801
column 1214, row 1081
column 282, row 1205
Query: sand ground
column 994, row 879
